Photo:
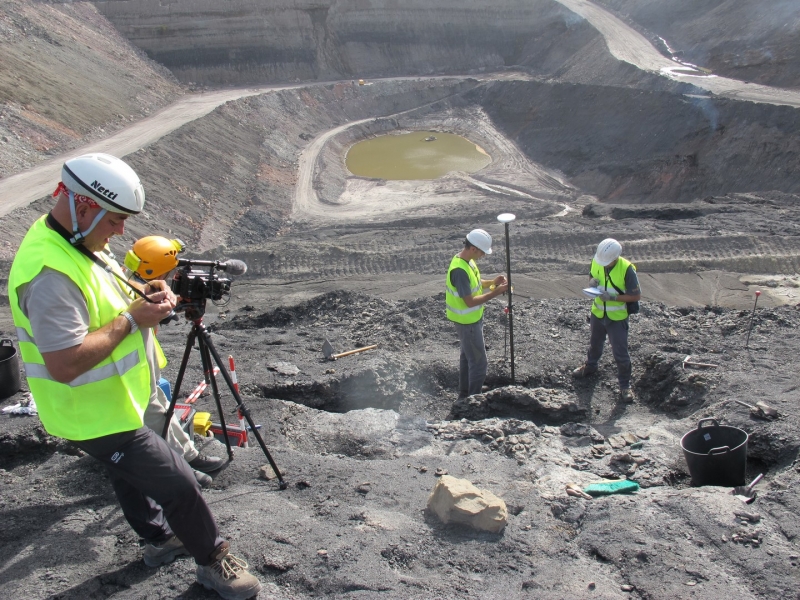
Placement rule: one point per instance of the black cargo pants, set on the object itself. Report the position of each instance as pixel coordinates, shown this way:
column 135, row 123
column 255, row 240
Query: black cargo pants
column 157, row 490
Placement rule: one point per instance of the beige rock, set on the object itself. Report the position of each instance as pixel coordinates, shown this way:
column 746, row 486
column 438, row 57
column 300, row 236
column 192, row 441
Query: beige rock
column 617, row 442
column 456, row 500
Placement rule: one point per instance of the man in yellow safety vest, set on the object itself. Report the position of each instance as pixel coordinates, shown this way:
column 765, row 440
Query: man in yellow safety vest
column 616, row 278
column 90, row 359
column 465, row 299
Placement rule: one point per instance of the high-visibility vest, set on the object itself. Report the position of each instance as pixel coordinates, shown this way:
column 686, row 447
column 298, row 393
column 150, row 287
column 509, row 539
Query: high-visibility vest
column 112, row 396
column 457, row 309
column 615, row 310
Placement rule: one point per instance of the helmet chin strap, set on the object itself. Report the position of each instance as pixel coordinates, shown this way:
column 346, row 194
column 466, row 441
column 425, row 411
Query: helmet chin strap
column 78, row 235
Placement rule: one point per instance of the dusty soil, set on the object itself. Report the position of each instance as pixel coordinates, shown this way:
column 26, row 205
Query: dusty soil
column 68, row 77
column 709, row 216
column 359, row 442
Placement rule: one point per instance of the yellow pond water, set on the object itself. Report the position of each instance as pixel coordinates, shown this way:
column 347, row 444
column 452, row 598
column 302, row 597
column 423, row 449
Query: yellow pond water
column 409, row 156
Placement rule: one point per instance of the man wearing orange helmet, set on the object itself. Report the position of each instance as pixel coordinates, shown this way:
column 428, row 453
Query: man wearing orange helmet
column 151, row 259
column 616, row 278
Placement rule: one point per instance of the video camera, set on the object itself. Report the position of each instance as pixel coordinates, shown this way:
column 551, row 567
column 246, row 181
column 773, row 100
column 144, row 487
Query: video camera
column 197, row 280
column 193, row 281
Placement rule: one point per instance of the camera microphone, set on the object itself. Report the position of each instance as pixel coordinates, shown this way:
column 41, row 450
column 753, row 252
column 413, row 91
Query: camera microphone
column 234, row 267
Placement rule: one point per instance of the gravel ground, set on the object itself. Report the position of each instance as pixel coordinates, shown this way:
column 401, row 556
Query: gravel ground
column 709, row 216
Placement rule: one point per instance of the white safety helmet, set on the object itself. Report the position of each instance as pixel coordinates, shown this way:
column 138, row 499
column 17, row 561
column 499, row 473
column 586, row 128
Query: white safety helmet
column 607, row 252
column 481, row 240
column 105, row 179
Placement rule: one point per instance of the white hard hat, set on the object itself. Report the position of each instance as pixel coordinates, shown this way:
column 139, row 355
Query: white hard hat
column 481, row 240
column 105, row 179
column 607, row 252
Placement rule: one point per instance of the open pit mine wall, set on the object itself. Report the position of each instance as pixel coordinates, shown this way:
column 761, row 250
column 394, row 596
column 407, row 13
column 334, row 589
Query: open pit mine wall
column 253, row 41
column 646, row 146
column 741, row 39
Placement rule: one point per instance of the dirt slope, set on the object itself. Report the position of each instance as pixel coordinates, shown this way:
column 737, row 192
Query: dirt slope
column 66, row 77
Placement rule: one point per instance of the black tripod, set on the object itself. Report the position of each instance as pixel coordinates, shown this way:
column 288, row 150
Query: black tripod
column 194, row 313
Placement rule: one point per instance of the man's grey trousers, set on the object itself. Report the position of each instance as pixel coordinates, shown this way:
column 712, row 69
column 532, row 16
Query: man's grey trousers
column 473, row 363
column 617, row 332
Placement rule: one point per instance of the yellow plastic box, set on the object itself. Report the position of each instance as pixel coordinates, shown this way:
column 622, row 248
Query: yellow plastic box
column 202, row 422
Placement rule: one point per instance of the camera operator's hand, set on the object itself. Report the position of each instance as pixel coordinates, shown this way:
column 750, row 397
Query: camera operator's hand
column 149, row 314
column 159, row 285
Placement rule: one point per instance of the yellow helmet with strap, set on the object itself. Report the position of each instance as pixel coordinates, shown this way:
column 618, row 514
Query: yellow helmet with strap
column 154, row 256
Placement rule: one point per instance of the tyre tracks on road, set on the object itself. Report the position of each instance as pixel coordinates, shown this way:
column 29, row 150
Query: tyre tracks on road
column 23, row 188
column 532, row 252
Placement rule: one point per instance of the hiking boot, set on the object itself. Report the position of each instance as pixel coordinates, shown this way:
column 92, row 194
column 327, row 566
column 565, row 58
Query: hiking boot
column 203, row 479
column 584, row 371
column 229, row 577
column 206, row 464
column 163, row 553
column 627, row 395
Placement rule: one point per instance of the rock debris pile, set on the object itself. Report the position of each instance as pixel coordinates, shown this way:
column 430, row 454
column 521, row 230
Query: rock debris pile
column 362, row 442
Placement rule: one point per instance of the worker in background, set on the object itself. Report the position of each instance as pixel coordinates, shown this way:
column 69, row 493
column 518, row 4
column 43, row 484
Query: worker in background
column 465, row 299
column 617, row 279
column 90, row 360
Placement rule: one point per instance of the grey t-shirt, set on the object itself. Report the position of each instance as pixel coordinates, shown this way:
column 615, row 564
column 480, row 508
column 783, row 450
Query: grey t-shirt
column 631, row 282
column 59, row 317
column 460, row 280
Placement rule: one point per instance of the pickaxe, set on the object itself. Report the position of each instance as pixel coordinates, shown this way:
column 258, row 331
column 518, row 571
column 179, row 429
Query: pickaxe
column 687, row 363
column 330, row 353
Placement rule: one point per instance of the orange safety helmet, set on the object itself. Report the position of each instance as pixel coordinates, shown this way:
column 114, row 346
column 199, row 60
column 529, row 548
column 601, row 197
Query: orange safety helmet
column 152, row 257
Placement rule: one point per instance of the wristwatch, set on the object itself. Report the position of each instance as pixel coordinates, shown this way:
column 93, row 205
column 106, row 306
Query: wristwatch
column 131, row 320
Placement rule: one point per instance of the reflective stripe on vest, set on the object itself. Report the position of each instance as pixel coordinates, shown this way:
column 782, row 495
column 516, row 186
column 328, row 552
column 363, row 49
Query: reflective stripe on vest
column 95, row 375
column 22, row 336
column 457, row 310
column 112, row 396
column 613, row 309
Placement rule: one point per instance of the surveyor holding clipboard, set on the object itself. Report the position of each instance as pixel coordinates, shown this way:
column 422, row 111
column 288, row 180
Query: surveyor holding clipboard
column 614, row 287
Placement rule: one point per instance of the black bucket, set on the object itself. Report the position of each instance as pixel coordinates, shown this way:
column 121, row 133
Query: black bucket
column 716, row 455
column 10, row 381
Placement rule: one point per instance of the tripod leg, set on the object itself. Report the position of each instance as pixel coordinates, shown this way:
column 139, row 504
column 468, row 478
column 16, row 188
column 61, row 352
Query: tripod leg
column 179, row 380
column 243, row 410
column 208, row 370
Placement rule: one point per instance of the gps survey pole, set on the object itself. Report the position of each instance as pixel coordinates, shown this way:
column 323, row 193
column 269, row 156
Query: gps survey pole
column 505, row 219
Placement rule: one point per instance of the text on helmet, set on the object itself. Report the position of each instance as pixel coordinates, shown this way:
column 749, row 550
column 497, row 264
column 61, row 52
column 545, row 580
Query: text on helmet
column 104, row 191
